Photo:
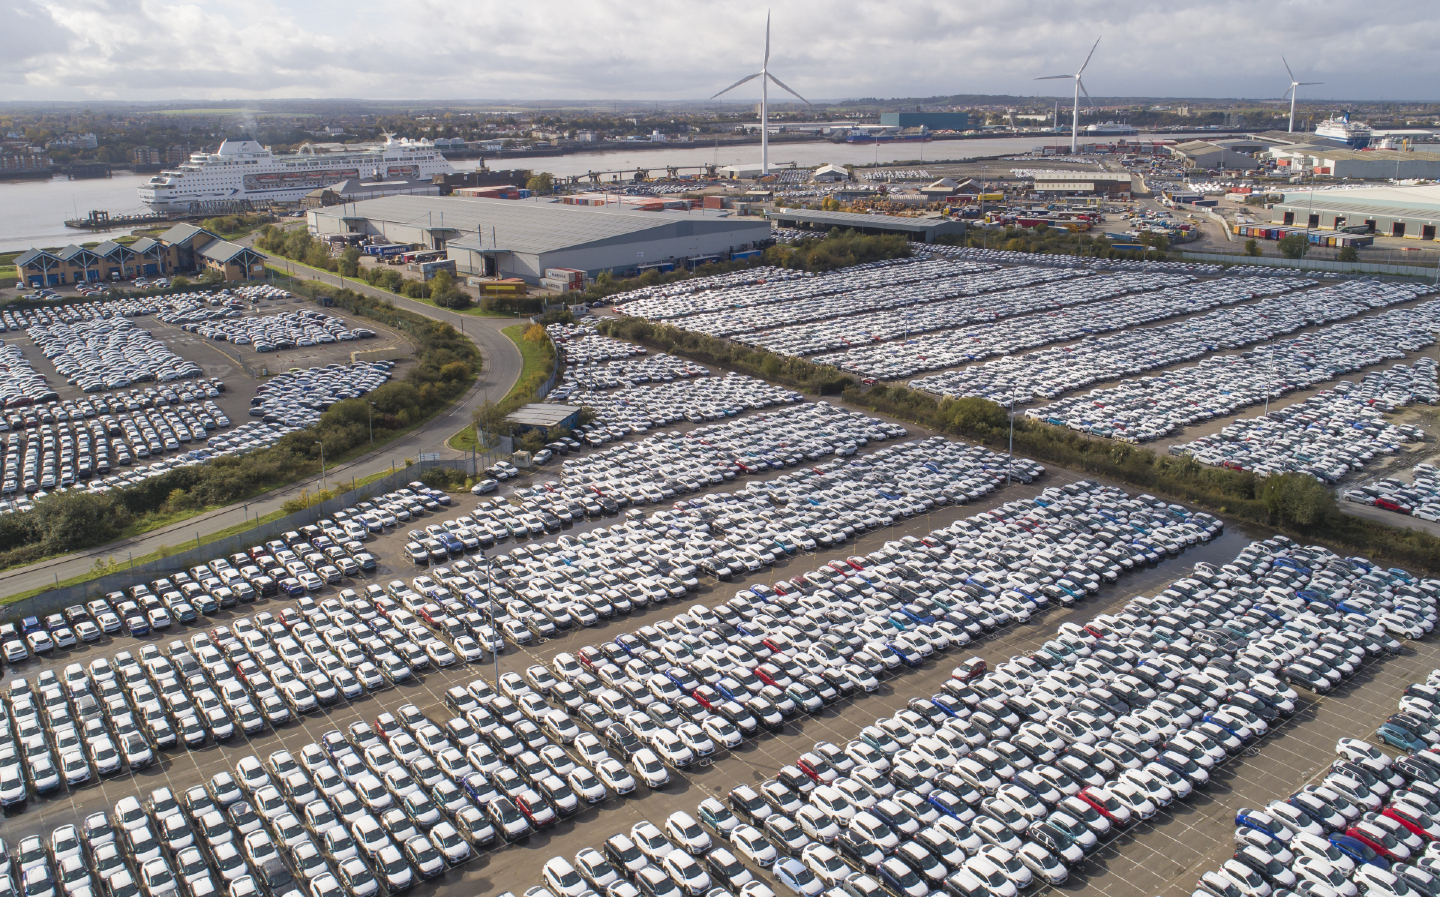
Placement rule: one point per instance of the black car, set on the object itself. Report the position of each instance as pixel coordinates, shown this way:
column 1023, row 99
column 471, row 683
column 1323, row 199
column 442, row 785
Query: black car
column 619, row 738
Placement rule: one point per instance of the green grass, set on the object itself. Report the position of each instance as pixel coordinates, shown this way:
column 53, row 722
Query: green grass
column 473, row 311
column 534, row 357
column 7, row 272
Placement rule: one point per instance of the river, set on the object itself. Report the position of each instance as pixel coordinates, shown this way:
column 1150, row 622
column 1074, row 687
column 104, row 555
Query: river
column 32, row 213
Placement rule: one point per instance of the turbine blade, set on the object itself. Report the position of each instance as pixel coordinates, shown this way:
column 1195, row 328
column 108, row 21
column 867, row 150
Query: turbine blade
column 1087, row 58
column 1309, row 83
column 767, row 39
column 738, row 83
column 782, row 84
column 1055, row 77
column 1287, row 70
column 1088, row 101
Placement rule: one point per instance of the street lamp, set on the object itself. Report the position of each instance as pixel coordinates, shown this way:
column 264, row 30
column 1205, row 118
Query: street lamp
column 370, row 416
column 1010, row 465
column 322, row 463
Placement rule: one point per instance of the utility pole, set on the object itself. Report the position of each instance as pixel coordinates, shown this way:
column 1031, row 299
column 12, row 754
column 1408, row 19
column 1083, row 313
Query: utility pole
column 1010, row 464
column 322, row 463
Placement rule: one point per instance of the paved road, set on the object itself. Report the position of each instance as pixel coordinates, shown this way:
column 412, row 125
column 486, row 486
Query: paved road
column 500, row 370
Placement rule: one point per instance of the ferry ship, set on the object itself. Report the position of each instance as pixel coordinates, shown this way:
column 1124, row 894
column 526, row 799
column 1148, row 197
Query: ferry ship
column 245, row 170
column 1341, row 129
column 1109, row 128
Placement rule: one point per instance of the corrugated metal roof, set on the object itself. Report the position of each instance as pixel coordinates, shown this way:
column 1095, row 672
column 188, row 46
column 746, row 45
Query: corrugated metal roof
column 534, row 227
column 858, row 219
column 1404, row 201
column 221, row 250
column 540, row 414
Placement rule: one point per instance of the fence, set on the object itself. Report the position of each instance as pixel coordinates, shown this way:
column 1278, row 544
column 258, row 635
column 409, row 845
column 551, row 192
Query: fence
column 1314, row 264
column 57, row 599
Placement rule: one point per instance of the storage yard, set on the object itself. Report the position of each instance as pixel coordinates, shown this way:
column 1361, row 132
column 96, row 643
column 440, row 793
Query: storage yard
column 107, row 394
column 728, row 637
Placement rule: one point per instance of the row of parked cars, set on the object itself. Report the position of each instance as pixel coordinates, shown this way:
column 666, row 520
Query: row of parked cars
column 299, row 396
column 1420, row 497
column 717, row 294
column 581, row 377
column 746, row 446
column 1329, row 435
column 1052, row 372
column 902, row 360
column 575, row 581
column 204, row 308
column 1157, row 406
column 228, row 681
column 1009, row 257
column 375, row 809
column 1366, row 828
column 991, row 785
column 74, row 451
column 109, row 354
column 962, row 293
column 287, row 330
column 640, row 408
column 20, row 384
column 299, row 563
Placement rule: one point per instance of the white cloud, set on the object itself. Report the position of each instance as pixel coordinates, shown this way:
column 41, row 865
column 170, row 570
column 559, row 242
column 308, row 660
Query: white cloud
column 680, row 49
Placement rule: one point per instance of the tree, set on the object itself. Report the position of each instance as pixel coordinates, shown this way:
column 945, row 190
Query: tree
column 209, row 276
column 535, row 333
column 180, row 283
column 1294, row 246
column 541, row 183
column 1297, row 500
column 350, row 262
column 1252, row 248
column 1349, row 254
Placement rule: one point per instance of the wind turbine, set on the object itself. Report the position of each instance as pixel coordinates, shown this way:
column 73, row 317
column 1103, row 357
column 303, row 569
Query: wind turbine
column 1294, row 89
column 1079, row 86
column 765, row 77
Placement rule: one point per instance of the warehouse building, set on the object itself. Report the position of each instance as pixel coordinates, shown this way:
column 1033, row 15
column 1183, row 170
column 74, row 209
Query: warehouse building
column 919, row 230
column 1410, row 212
column 1115, row 185
column 932, row 121
column 1341, row 162
column 522, row 239
column 1218, row 154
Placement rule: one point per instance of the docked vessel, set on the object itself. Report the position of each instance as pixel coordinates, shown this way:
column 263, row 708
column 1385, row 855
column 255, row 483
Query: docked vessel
column 1110, row 128
column 245, row 170
column 1340, row 129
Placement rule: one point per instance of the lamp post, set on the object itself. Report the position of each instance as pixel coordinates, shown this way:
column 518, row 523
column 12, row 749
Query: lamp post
column 1010, row 464
column 322, row 463
column 370, row 416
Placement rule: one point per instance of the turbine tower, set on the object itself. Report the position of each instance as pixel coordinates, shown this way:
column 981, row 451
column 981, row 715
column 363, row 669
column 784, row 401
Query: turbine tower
column 1294, row 89
column 765, row 77
column 1079, row 87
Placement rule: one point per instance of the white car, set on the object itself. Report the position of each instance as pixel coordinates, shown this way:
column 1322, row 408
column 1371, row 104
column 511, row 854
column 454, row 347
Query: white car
column 648, row 768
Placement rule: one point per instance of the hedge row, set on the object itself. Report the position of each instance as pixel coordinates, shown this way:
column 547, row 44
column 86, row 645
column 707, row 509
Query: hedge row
column 1293, row 503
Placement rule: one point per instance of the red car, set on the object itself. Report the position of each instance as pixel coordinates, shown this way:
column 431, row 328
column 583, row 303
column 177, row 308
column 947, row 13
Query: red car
column 1373, row 841
column 290, row 617
column 1106, row 806
column 973, row 668
column 1414, row 821
column 387, row 726
column 535, row 810
column 708, row 697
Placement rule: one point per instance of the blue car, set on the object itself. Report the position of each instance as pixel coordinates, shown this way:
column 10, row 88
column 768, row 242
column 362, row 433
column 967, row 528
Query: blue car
column 1398, row 736
column 908, row 658
column 1258, row 820
column 1359, row 851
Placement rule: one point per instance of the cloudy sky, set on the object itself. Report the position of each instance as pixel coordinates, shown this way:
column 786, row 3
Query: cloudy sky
column 681, row 49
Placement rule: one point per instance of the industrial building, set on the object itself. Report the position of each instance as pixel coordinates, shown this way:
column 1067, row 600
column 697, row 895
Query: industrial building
column 1411, row 212
column 542, row 416
column 932, row 121
column 524, row 238
column 1115, row 185
column 920, row 230
column 1336, row 161
column 1219, row 154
